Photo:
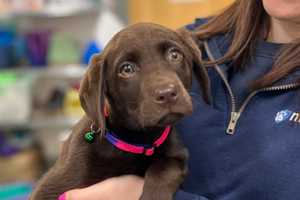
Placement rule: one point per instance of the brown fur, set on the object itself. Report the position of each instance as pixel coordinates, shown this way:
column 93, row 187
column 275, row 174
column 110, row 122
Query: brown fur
column 135, row 110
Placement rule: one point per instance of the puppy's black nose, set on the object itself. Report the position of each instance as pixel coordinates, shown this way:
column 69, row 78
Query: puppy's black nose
column 166, row 94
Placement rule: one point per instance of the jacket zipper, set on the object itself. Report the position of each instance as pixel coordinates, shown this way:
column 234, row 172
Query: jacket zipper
column 235, row 114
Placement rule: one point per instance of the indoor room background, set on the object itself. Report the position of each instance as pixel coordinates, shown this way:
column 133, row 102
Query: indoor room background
column 45, row 47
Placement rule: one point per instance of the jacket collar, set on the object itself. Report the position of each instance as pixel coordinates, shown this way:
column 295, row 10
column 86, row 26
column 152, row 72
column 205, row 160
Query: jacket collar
column 219, row 45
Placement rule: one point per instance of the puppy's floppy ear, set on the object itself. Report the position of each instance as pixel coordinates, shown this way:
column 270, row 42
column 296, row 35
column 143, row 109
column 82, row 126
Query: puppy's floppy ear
column 199, row 70
column 92, row 92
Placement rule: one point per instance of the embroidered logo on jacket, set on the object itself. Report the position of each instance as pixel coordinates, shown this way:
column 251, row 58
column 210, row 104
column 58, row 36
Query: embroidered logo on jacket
column 287, row 115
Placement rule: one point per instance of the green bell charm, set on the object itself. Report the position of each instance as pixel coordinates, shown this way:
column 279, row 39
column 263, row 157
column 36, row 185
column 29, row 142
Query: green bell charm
column 90, row 136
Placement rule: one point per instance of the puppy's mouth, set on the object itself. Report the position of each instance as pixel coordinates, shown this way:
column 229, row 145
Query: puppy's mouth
column 169, row 119
column 171, row 115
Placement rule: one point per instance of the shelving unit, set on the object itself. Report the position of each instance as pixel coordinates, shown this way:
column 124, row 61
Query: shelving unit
column 51, row 13
column 43, row 123
column 44, row 116
column 55, row 72
column 64, row 71
column 50, row 9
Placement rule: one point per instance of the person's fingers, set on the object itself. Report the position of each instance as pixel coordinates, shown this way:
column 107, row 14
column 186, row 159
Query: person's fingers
column 112, row 188
column 78, row 194
column 89, row 193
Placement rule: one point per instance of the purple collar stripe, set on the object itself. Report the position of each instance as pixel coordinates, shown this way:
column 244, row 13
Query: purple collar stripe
column 145, row 149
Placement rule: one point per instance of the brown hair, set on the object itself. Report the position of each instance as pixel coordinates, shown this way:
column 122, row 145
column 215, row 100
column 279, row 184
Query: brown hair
column 247, row 20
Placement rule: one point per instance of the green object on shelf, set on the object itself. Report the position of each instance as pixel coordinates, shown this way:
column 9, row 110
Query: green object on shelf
column 12, row 191
column 7, row 78
column 63, row 50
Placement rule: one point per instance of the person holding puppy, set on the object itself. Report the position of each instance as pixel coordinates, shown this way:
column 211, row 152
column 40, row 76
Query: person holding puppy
column 245, row 144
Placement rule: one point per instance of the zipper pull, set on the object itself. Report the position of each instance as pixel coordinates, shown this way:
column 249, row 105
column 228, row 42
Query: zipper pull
column 233, row 121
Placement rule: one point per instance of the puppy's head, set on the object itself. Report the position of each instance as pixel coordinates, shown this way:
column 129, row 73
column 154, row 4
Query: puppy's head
column 143, row 76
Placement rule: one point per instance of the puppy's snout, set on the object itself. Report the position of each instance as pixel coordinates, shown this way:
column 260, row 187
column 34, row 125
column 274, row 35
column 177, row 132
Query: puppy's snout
column 166, row 94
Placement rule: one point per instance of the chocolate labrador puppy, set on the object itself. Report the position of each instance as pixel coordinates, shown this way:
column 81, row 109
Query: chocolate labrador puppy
column 132, row 94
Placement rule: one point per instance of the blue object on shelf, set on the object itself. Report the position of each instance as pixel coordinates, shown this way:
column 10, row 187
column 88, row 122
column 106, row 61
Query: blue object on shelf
column 19, row 45
column 6, row 56
column 6, row 48
column 91, row 49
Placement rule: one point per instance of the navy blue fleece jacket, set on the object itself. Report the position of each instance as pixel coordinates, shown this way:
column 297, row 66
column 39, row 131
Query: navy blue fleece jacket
column 260, row 159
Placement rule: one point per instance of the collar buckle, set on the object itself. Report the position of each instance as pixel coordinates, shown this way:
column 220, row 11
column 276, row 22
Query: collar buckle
column 149, row 151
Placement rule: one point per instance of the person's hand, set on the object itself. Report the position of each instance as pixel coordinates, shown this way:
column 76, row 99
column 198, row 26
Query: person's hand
column 128, row 187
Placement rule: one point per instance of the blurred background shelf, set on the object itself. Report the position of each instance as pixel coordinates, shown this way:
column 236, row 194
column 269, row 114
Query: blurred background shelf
column 55, row 122
column 43, row 123
column 63, row 71
column 66, row 71
column 52, row 99
column 51, row 13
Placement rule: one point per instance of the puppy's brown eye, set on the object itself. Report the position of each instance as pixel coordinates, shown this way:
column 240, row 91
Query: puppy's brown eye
column 174, row 55
column 127, row 70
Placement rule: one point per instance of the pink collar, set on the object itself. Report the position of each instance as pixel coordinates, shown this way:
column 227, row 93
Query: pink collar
column 145, row 149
